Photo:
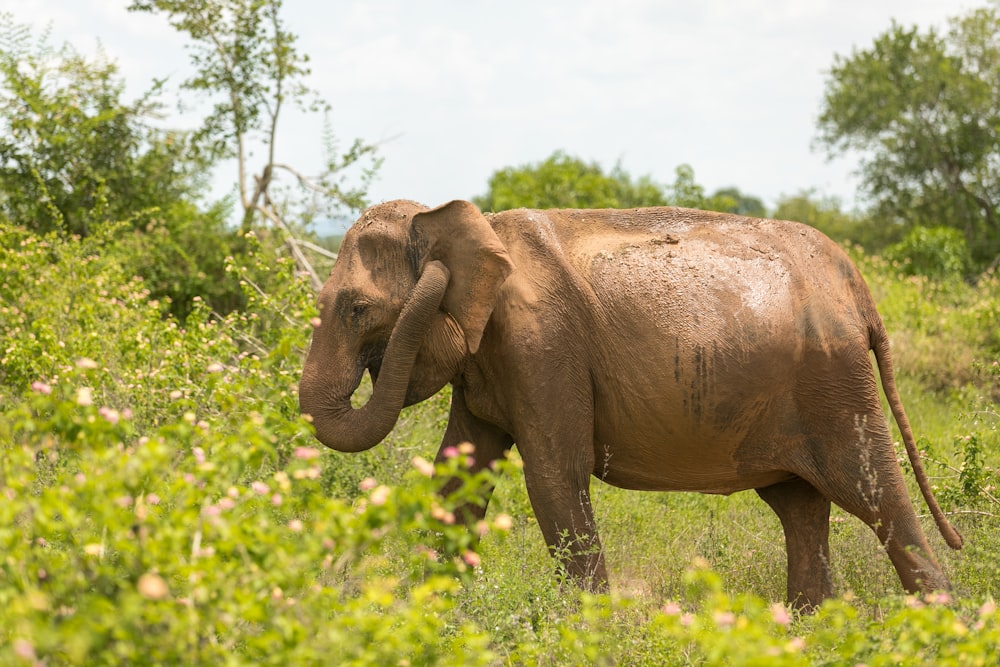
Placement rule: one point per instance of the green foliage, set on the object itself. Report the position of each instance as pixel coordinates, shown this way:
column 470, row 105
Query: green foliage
column 731, row 200
column 164, row 503
column 561, row 181
column 73, row 152
column 722, row 629
column 685, row 191
column 197, row 544
column 182, row 259
column 937, row 252
column 922, row 313
column 922, row 109
column 825, row 214
column 82, row 156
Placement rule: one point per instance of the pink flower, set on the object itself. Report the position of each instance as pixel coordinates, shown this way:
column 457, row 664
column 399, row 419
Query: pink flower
column 86, row 364
column 939, row 598
column 110, row 415
column 471, row 558
column 797, row 644
column 367, row 484
column 780, row 614
column 449, row 452
column 215, row 367
column 380, row 495
column 316, row 322
column 724, row 618
column 41, row 387
column 295, row 526
column 24, row 650
column 276, row 499
column 306, row 453
column 424, row 466
column 442, row 515
column 672, row 609
column 503, row 522
column 260, row 488
column 687, row 619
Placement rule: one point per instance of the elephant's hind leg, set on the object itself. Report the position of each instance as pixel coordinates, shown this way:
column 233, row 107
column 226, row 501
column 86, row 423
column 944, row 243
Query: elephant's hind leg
column 805, row 518
column 884, row 504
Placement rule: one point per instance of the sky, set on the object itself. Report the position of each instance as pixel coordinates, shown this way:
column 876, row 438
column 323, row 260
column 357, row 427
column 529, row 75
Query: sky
column 453, row 91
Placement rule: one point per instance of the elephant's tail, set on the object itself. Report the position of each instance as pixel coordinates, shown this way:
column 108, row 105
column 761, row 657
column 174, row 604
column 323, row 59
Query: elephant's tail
column 879, row 341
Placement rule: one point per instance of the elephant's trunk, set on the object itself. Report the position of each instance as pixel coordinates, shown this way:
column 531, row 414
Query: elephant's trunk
column 338, row 424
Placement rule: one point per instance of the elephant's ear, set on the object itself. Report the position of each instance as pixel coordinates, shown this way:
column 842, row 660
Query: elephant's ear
column 459, row 236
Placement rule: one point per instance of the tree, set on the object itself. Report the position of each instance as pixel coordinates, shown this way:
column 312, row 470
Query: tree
column 74, row 154
column 72, row 151
column 731, row 200
column 687, row 192
column 244, row 56
column 561, row 181
column 923, row 110
column 825, row 214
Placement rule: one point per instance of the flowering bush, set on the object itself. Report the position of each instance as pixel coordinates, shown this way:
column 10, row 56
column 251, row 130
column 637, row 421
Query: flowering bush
column 164, row 503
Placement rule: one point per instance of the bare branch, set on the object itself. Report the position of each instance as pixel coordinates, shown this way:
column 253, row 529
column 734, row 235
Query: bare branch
column 293, row 245
column 320, row 250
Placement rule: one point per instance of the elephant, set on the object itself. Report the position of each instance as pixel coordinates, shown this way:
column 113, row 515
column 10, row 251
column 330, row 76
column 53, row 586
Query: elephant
column 658, row 349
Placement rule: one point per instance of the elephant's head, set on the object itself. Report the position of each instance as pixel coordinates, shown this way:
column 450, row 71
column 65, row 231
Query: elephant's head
column 408, row 299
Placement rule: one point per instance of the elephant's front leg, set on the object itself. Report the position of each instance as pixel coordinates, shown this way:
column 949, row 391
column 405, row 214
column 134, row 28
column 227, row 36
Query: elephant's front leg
column 490, row 444
column 557, row 470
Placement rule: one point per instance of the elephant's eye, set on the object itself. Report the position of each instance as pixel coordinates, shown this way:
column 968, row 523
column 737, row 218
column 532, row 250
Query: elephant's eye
column 359, row 310
column 356, row 310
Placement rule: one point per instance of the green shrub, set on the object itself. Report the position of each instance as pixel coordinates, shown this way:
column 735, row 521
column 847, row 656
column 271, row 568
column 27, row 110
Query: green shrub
column 193, row 544
column 944, row 333
column 937, row 252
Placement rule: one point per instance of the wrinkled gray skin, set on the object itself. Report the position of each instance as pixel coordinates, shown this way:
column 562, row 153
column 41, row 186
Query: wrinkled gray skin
column 656, row 349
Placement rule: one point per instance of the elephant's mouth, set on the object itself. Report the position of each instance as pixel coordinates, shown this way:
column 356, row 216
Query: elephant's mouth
column 372, row 358
column 374, row 366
